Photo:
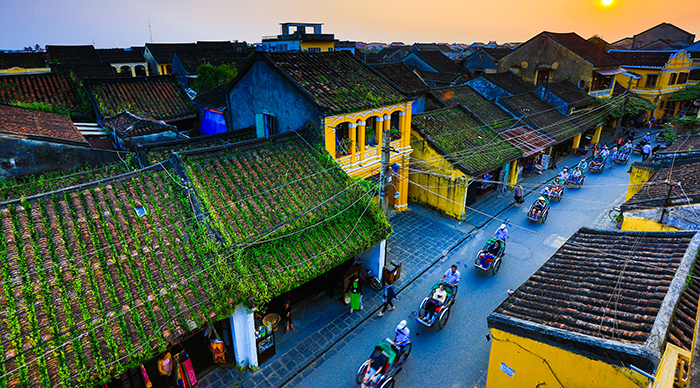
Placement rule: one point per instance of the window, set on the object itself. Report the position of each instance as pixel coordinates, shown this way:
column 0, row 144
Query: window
column 682, row 78
column 651, row 80
column 542, row 76
column 343, row 145
column 266, row 125
column 314, row 49
column 331, row 49
column 581, row 84
column 672, row 80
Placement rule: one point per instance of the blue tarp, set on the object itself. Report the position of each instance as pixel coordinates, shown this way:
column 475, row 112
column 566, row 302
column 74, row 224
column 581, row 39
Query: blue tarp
column 212, row 122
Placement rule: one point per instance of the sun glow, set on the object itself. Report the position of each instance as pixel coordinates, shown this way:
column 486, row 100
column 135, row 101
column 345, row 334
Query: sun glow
column 607, row 2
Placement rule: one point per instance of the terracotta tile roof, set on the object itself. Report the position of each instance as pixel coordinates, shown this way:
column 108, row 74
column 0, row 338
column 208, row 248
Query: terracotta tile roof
column 336, row 80
column 127, row 124
column 121, row 55
column 603, row 291
column 160, row 151
column 92, row 70
column 192, row 59
column 466, row 142
column 72, row 55
column 20, row 121
column 653, row 194
column 111, row 299
column 542, row 116
column 406, row 80
column 57, row 90
column 287, row 188
column 440, row 62
column 682, row 329
column 683, row 145
column 440, row 78
column 482, row 108
column 23, row 60
column 508, row 82
column 587, row 50
column 161, row 98
column 572, row 95
column 642, row 58
column 164, row 52
column 28, row 186
column 527, row 139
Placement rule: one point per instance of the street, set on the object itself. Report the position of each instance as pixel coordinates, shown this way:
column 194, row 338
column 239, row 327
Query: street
column 457, row 356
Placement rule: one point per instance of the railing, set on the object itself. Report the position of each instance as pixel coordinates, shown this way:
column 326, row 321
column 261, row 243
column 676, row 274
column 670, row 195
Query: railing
column 374, row 152
column 673, row 369
column 601, row 93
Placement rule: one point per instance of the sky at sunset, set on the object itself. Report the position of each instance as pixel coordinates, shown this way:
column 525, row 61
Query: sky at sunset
column 124, row 23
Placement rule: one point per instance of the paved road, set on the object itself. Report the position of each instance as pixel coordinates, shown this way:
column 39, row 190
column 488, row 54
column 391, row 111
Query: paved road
column 457, row 356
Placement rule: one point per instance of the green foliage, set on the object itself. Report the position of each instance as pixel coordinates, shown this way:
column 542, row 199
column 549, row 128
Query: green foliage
column 634, row 106
column 44, row 107
column 209, row 77
column 690, row 92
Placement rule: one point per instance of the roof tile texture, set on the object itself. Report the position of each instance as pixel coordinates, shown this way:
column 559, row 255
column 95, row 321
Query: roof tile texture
column 606, row 285
column 337, row 80
column 23, row 121
column 53, row 89
column 161, row 98
column 464, row 140
column 484, row 109
column 637, row 58
column 398, row 73
column 23, row 60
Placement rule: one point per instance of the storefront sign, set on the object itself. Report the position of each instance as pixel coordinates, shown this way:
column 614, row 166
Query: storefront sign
column 545, row 162
column 507, row 370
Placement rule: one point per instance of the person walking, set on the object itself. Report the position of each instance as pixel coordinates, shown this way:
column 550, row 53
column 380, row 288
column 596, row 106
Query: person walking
column 287, row 316
column 646, row 151
column 388, row 297
column 656, row 148
column 355, row 291
column 519, row 194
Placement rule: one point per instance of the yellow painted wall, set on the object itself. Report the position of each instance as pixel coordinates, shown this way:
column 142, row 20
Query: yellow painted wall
column 535, row 364
column 324, row 46
column 678, row 63
column 638, row 175
column 367, row 161
column 20, row 70
column 444, row 188
column 645, row 225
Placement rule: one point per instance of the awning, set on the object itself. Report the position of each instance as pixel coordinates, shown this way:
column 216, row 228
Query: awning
column 527, row 139
column 617, row 70
column 632, row 74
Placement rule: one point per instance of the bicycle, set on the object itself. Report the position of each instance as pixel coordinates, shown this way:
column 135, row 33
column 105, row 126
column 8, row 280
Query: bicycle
column 366, row 275
column 614, row 213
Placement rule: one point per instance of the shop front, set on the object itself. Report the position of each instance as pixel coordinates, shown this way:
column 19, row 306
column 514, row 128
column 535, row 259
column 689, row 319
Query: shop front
column 536, row 147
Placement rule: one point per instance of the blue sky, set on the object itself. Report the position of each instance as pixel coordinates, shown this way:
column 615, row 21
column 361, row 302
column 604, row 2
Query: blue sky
column 125, row 23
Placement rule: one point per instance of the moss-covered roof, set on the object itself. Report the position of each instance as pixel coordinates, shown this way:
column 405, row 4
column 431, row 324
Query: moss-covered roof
column 337, row 80
column 468, row 143
column 544, row 117
column 482, row 108
column 98, row 278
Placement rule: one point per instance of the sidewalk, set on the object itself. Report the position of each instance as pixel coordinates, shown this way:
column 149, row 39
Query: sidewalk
column 421, row 238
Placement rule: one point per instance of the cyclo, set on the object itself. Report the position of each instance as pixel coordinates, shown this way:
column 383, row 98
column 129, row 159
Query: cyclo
column 384, row 364
column 430, row 312
column 489, row 257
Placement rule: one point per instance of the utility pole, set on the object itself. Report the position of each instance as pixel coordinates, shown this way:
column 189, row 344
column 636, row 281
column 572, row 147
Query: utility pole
column 671, row 185
column 622, row 113
column 383, row 169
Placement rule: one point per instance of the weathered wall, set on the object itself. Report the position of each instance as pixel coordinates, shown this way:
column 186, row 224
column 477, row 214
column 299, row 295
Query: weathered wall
column 664, row 31
column 262, row 90
column 515, row 361
column 479, row 61
column 487, row 89
column 565, row 63
column 20, row 156
column 412, row 61
column 444, row 188
column 638, row 176
column 553, row 100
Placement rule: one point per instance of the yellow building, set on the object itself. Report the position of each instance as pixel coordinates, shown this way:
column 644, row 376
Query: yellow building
column 334, row 98
column 300, row 39
column 598, row 313
column 451, row 147
column 665, row 194
column 24, row 63
column 662, row 72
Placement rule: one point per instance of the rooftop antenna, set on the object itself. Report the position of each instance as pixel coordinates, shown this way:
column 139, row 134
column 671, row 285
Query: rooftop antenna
column 149, row 29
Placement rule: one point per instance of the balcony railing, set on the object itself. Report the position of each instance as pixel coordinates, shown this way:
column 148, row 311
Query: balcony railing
column 604, row 93
column 673, row 369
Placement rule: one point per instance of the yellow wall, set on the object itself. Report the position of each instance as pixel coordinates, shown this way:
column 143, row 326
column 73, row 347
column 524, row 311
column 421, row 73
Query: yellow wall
column 324, row 46
column 638, row 175
column 678, row 63
column 645, row 225
column 670, row 362
column 366, row 162
column 20, row 70
column 536, row 364
column 444, row 187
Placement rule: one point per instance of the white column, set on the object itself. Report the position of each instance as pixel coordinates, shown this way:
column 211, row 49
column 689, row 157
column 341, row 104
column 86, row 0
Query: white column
column 243, row 332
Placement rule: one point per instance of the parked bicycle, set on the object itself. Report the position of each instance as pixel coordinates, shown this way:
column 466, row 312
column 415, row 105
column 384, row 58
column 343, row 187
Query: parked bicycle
column 367, row 276
column 613, row 213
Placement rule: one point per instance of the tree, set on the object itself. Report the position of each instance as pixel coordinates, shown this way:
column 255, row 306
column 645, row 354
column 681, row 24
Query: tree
column 209, row 77
column 37, row 47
